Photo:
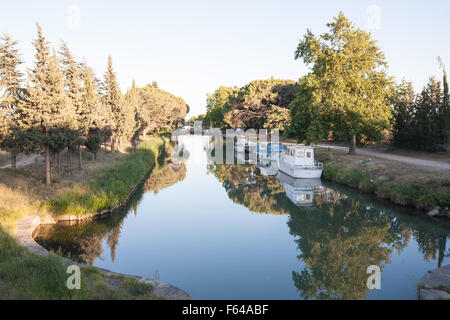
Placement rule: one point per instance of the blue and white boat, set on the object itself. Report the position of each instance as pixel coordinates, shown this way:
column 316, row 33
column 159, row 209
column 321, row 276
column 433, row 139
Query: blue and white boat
column 269, row 150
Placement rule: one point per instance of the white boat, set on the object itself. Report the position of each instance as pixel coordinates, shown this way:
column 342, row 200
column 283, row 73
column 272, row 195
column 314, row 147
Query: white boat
column 298, row 162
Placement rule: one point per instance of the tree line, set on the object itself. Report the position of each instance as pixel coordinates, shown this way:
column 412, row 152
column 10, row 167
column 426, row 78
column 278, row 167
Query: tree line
column 63, row 106
column 347, row 96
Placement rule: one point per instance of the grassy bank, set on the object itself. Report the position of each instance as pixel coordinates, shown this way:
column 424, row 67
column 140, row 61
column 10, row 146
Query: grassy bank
column 24, row 275
column 111, row 186
column 402, row 184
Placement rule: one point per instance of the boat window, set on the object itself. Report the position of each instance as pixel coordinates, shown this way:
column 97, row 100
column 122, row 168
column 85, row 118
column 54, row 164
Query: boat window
column 300, row 153
column 308, row 154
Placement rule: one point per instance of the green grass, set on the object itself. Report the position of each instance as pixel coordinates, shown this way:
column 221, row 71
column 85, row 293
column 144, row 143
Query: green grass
column 112, row 186
column 414, row 193
column 24, row 275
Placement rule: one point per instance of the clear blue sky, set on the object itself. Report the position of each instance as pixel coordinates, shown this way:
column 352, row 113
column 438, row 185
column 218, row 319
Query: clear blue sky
column 192, row 47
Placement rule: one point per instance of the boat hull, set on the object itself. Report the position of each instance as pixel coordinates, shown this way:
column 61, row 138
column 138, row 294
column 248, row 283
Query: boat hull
column 300, row 172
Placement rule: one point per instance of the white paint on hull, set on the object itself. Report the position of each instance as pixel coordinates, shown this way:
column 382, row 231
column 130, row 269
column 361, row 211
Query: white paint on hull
column 300, row 172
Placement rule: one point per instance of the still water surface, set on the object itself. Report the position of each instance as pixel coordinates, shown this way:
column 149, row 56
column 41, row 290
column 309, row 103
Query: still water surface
column 231, row 232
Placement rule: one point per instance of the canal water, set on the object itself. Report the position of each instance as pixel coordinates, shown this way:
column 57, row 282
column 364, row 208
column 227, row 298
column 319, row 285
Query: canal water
column 242, row 231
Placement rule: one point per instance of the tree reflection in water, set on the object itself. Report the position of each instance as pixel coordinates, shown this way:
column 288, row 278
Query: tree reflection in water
column 339, row 231
column 82, row 241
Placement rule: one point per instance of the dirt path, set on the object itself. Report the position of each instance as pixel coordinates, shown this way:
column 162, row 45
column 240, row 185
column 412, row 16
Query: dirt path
column 23, row 162
column 439, row 165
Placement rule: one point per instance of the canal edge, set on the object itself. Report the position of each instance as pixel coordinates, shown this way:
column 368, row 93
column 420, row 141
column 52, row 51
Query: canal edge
column 24, row 236
column 435, row 285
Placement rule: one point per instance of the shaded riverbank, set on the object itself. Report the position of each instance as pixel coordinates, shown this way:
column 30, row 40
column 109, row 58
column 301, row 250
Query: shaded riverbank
column 27, row 275
column 402, row 184
column 112, row 187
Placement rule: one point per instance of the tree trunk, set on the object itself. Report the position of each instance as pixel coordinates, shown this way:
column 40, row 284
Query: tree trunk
column 352, row 146
column 13, row 159
column 48, row 179
column 112, row 144
column 69, row 159
column 59, row 163
column 52, row 163
column 93, row 156
column 80, row 160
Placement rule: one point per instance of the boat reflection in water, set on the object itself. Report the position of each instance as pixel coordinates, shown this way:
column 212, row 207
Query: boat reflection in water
column 306, row 192
column 240, row 234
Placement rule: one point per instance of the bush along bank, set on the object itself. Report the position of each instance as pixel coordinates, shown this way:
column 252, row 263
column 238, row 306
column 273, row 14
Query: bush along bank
column 431, row 197
column 111, row 188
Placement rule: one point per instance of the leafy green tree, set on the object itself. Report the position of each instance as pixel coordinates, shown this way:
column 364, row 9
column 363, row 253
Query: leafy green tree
column 279, row 118
column 219, row 103
column 348, row 88
column 254, row 102
column 12, row 96
column 160, row 110
column 93, row 142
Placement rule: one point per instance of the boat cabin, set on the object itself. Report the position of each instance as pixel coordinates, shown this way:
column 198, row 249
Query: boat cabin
column 270, row 147
column 299, row 155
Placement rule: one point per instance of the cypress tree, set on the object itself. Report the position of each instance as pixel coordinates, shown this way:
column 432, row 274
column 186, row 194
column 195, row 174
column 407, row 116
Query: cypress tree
column 74, row 89
column 427, row 116
column 113, row 101
column 96, row 120
column 130, row 118
column 12, row 96
column 403, row 102
column 48, row 107
column 445, row 110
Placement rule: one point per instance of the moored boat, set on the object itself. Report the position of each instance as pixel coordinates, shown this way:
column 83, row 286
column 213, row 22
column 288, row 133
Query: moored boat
column 298, row 162
column 269, row 150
